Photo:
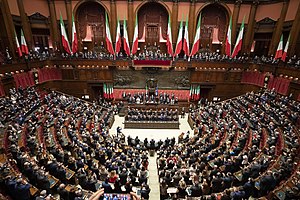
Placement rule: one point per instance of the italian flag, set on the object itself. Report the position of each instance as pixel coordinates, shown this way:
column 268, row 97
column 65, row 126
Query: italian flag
column 228, row 39
column 191, row 92
column 198, row 93
column 169, row 38
column 18, row 45
column 110, row 91
column 279, row 48
column 179, row 41
column 109, row 44
column 194, row 93
column 118, row 38
column 196, row 44
column 24, row 46
column 239, row 41
column 286, row 49
column 125, row 40
column 104, row 91
column 64, row 37
column 135, row 42
column 74, row 37
column 186, row 43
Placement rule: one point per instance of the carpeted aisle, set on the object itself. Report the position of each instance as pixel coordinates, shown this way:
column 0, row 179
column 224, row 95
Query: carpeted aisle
column 153, row 179
column 156, row 134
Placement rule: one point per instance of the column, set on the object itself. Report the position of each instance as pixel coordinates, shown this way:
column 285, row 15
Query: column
column 294, row 33
column 9, row 26
column 25, row 24
column 250, row 26
column 131, row 20
column 68, row 4
column 113, row 19
column 278, row 28
column 174, row 21
column 235, row 17
column 192, row 23
column 54, row 27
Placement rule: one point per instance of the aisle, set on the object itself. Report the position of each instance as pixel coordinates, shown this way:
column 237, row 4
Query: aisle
column 156, row 134
column 153, row 179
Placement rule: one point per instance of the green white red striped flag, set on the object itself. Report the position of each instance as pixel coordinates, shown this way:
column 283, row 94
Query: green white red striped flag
column 286, row 49
column 125, row 40
column 279, row 48
column 74, row 37
column 186, row 42
column 18, row 45
column 135, row 42
column 196, row 44
column 179, row 40
column 24, row 46
column 118, row 38
column 228, row 39
column 169, row 38
column 64, row 37
column 109, row 44
column 239, row 41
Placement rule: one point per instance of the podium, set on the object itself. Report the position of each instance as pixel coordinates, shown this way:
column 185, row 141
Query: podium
column 151, row 84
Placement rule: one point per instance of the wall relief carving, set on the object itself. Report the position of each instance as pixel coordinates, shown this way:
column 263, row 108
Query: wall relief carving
column 165, row 79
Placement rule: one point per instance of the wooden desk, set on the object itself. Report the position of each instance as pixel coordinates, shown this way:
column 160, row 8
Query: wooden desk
column 33, row 190
column 151, row 124
column 69, row 187
column 69, row 173
column 53, row 181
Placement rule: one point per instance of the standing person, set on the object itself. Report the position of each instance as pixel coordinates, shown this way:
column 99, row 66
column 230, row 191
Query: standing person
column 145, row 191
column 163, row 190
column 182, row 112
column 181, row 190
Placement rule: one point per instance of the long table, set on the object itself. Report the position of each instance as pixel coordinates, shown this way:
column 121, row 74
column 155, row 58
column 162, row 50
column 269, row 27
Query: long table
column 152, row 124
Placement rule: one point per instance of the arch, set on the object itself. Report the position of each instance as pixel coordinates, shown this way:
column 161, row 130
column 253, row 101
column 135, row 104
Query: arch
column 229, row 13
column 90, row 24
column 147, row 1
column 153, row 23
column 85, row 1
column 220, row 27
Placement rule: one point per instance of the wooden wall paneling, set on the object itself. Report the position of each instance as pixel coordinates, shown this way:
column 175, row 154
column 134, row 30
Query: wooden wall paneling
column 294, row 89
column 76, row 74
column 67, row 74
column 82, row 75
column 235, row 76
column 288, row 71
column 75, row 88
column 8, row 83
column 89, row 74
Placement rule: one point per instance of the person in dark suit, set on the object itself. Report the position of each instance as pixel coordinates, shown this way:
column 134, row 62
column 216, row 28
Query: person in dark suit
column 267, row 183
column 90, row 184
column 143, row 179
column 10, row 184
column 107, row 187
column 61, row 173
column 237, row 194
column 123, row 176
column 196, row 190
column 43, row 181
column 63, row 193
column 145, row 191
column 181, row 190
column 21, row 190
column 249, row 188
column 216, row 184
